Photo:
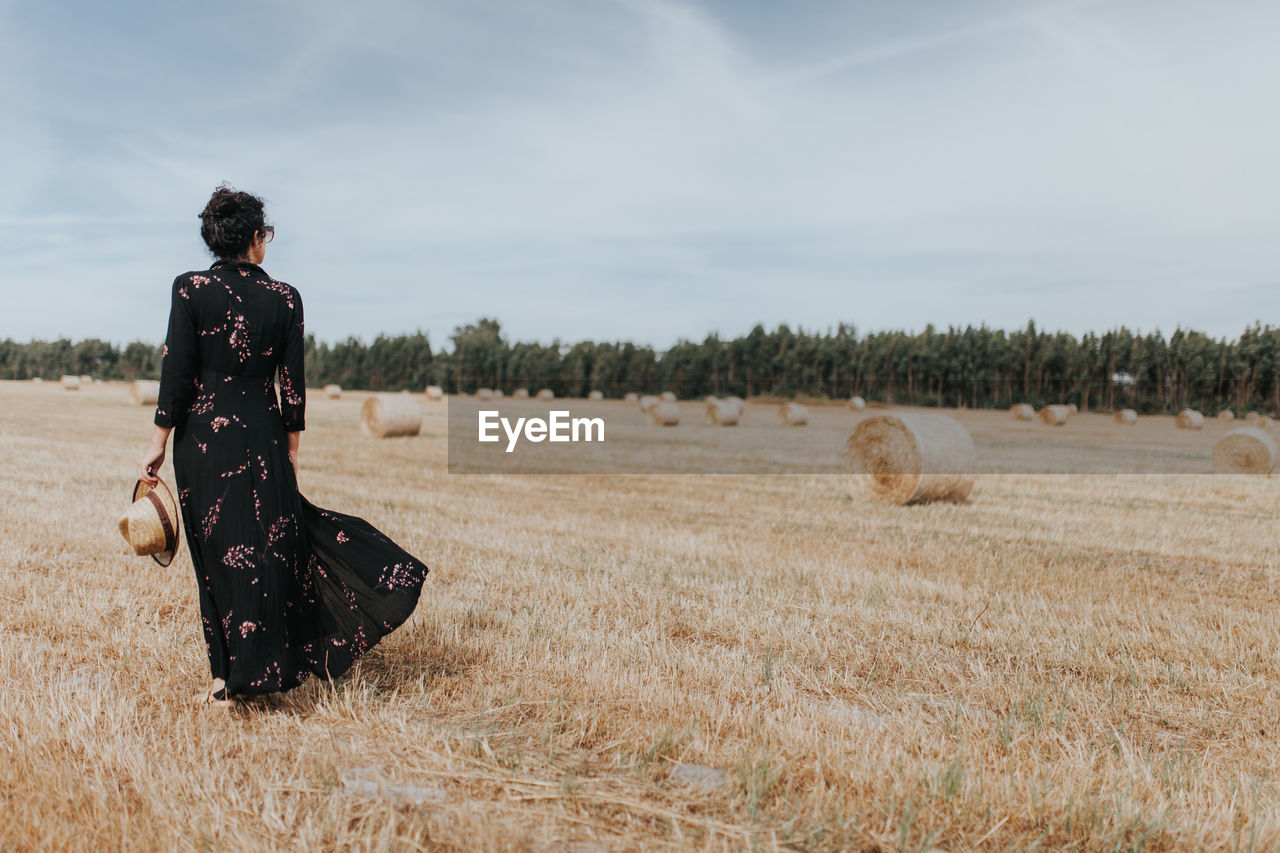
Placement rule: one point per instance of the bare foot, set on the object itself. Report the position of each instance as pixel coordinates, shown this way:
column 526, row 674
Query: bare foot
column 207, row 697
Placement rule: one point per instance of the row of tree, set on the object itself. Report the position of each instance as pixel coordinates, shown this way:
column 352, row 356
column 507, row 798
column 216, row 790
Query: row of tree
column 975, row 366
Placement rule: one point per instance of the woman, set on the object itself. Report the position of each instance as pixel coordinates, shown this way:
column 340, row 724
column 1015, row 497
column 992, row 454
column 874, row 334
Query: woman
column 286, row 590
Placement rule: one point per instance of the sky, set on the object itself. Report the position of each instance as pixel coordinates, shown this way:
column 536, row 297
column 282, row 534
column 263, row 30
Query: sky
column 649, row 170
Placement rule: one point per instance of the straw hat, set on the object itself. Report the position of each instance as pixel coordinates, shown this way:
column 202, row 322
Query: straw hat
column 151, row 525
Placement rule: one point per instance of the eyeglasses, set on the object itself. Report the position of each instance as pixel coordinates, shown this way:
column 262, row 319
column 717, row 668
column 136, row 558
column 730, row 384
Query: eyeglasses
column 268, row 233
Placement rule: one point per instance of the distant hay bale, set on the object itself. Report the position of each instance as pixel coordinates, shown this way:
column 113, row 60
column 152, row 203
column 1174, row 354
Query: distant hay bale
column 909, row 458
column 498, row 394
column 1251, row 418
column 1245, row 450
column 1073, row 408
column 1127, row 417
column 596, row 395
column 722, row 412
column 664, row 413
column 71, row 383
column 86, row 379
column 1023, row 412
column 390, row 415
column 1226, row 415
column 1054, row 415
column 857, row 403
column 1263, row 422
column 145, row 392
column 739, row 403
column 546, row 394
column 333, row 392
column 667, row 396
column 435, row 392
column 484, row 393
column 793, row 414
column 37, row 379
column 647, row 402
column 520, row 394
column 630, row 397
column 1189, row 419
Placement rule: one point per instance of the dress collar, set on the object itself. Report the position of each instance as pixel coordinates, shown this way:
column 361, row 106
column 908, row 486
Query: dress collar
column 238, row 265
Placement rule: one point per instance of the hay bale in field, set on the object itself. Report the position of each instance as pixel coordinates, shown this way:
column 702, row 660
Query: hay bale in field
column 739, row 403
column 1263, row 422
column 37, row 379
column 667, row 396
column 1226, row 415
column 664, row 413
column 1128, row 417
column 1189, row 419
column 498, row 394
column 70, row 383
column 1022, row 412
column 520, row 394
column 1251, row 418
column 145, row 392
column 631, row 397
column 546, row 394
column 911, row 458
column 647, row 402
column 86, row 379
column 333, row 392
column 484, row 393
column 1054, row 415
column 390, row 415
column 722, row 412
column 857, row 403
column 1245, row 450
column 793, row 414
column 596, row 395
column 1073, row 408
column 435, row 392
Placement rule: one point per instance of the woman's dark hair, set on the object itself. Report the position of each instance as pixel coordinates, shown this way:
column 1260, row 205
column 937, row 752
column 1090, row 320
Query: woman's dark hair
column 229, row 220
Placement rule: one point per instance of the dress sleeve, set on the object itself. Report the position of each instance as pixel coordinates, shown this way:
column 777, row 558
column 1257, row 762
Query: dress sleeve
column 181, row 360
column 293, row 375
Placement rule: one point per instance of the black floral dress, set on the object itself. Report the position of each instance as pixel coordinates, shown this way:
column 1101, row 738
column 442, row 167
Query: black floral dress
column 287, row 590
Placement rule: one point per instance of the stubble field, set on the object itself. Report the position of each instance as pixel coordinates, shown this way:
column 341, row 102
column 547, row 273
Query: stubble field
column 1078, row 662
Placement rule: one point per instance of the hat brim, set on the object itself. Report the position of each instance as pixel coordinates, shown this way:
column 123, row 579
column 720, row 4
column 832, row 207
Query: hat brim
column 140, row 489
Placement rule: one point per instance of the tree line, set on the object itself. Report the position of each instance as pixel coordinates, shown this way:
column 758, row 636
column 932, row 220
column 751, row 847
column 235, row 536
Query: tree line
column 975, row 367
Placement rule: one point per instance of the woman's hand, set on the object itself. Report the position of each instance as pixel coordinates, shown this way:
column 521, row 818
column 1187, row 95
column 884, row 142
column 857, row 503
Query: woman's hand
column 149, row 464
column 295, row 439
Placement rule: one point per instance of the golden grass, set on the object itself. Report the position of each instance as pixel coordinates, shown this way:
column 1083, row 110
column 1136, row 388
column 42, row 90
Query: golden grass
column 1065, row 662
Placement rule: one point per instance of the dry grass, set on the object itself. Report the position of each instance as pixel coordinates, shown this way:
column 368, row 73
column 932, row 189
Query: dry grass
column 1064, row 662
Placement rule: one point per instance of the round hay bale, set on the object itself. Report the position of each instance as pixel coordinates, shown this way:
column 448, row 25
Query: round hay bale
column 484, row 393
column 630, row 397
column 1054, row 415
column 911, row 458
column 37, row 379
column 520, row 394
column 1128, row 417
column 86, row 379
column 647, row 402
column 1072, row 408
column 546, row 394
column 498, row 394
column 1023, row 412
column 596, row 395
column 793, row 414
column 435, row 392
column 390, row 415
column 333, row 392
column 1226, row 415
column 1263, row 422
column 722, row 412
column 857, row 403
column 739, row 402
column 1189, row 419
column 1245, row 450
column 145, row 392
column 664, row 413
column 667, row 396
column 1251, row 418
column 71, row 383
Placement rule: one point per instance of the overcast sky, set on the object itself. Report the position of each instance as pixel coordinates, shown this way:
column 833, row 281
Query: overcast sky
column 649, row 170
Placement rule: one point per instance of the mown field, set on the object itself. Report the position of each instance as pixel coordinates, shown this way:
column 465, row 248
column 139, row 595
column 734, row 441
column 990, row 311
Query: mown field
column 639, row 662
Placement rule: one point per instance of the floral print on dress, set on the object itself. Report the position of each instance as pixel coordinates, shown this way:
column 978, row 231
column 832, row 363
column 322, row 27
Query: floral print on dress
column 277, row 606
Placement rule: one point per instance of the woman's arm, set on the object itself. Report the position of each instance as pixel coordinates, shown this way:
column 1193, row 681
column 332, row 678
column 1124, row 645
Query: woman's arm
column 149, row 464
column 295, row 438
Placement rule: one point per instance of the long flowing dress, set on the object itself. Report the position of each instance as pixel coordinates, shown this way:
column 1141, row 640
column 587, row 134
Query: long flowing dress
column 287, row 590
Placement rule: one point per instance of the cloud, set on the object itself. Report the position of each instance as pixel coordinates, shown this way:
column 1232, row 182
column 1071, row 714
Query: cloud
column 651, row 170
